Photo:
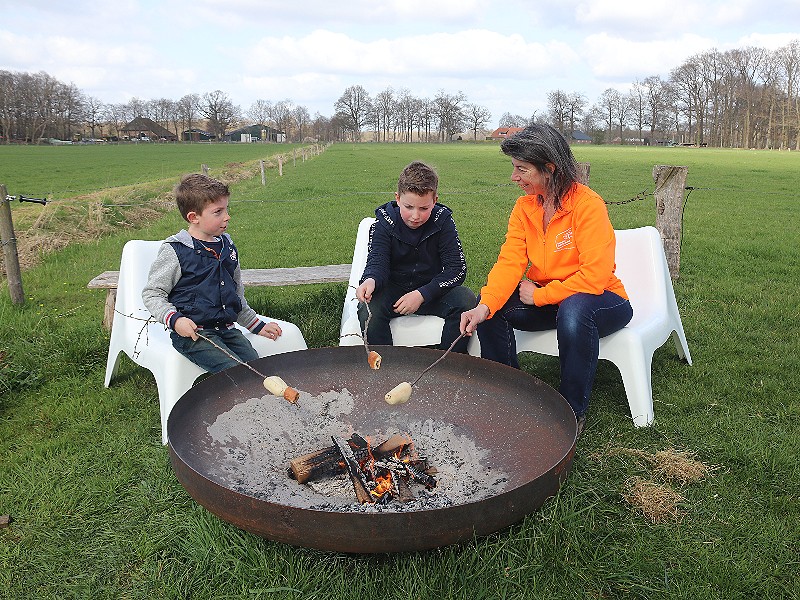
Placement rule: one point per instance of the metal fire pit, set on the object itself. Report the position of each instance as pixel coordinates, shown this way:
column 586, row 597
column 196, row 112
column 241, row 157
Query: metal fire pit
column 527, row 427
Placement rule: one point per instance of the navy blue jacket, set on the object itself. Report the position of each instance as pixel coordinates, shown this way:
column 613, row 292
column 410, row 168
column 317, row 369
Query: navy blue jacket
column 429, row 259
column 206, row 291
column 188, row 280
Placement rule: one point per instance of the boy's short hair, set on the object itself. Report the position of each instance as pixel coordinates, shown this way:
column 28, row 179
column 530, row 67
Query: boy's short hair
column 419, row 179
column 196, row 191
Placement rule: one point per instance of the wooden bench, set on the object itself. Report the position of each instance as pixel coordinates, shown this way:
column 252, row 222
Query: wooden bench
column 250, row 278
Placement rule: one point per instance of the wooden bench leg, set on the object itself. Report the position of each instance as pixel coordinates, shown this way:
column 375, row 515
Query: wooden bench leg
column 108, row 313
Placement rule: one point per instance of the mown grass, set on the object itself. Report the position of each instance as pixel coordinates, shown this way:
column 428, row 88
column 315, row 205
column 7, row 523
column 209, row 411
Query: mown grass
column 99, row 514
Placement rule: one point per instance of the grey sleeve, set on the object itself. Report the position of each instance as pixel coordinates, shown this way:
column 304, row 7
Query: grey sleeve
column 247, row 318
column 164, row 274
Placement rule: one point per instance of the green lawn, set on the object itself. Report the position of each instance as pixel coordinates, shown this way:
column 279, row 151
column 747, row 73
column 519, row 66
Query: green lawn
column 98, row 512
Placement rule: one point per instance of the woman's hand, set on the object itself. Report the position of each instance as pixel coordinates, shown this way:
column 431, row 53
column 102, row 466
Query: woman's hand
column 473, row 317
column 526, row 288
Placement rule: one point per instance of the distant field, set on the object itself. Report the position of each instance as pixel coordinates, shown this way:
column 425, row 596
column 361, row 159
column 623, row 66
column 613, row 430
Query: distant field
column 66, row 171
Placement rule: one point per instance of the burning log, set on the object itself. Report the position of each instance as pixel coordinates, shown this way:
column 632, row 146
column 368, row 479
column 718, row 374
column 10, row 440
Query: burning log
column 378, row 474
column 353, row 470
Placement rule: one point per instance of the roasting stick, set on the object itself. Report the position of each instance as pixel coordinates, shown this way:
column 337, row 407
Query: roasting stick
column 373, row 358
column 402, row 392
column 274, row 384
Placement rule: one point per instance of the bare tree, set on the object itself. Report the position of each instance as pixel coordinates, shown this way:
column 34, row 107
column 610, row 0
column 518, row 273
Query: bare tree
column 575, row 103
column 161, row 111
column 93, row 113
column 220, row 112
column 558, row 109
column 282, row 116
column 656, row 100
column 354, row 106
column 608, row 105
column 260, row 112
column 477, row 117
column 407, row 107
column 426, row 117
column 301, row 119
column 789, row 57
column 637, row 100
column 383, row 113
column 188, row 108
column 449, row 113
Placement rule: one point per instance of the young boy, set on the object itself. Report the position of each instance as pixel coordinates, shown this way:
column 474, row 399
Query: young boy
column 415, row 263
column 195, row 282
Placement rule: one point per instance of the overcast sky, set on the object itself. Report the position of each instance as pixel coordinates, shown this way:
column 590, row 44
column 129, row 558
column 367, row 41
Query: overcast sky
column 504, row 55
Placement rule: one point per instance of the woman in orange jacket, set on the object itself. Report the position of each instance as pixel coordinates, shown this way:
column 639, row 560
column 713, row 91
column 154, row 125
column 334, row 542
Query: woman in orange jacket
column 555, row 269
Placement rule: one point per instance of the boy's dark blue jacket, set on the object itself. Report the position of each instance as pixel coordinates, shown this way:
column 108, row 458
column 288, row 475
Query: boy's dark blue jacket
column 429, row 259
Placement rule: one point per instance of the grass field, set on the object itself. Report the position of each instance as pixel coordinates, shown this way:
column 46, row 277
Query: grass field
column 98, row 512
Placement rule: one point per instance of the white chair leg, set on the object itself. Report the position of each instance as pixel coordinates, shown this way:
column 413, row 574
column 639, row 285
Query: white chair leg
column 636, row 377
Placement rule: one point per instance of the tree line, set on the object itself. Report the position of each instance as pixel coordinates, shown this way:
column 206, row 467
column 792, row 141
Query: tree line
column 746, row 97
column 742, row 98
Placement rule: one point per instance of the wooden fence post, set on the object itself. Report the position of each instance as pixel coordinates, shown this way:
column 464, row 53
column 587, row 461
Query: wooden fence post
column 670, row 185
column 294, row 157
column 280, row 165
column 9, row 242
column 263, row 174
column 204, row 169
column 583, row 172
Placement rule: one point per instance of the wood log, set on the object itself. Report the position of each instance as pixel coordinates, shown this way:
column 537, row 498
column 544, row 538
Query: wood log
column 315, row 465
column 354, row 471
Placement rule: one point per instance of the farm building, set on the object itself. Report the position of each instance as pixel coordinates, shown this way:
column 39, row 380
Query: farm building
column 578, row 137
column 256, row 133
column 197, row 135
column 502, row 133
column 144, row 128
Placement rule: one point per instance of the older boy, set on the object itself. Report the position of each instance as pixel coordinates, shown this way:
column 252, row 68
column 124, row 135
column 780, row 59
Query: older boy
column 195, row 282
column 415, row 263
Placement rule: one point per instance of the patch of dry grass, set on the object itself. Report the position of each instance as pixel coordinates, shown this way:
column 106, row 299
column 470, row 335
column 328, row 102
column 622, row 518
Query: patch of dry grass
column 41, row 230
column 658, row 501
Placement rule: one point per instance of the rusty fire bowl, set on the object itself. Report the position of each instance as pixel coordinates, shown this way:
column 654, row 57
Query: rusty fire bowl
column 527, row 427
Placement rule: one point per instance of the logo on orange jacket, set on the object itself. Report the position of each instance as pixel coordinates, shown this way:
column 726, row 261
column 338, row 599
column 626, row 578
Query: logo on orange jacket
column 564, row 240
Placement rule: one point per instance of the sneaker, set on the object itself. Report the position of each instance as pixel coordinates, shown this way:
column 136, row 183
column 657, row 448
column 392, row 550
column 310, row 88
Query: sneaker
column 581, row 425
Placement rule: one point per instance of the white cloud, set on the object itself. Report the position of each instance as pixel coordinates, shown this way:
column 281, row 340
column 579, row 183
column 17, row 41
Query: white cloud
column 614, row 58
column 467, row 53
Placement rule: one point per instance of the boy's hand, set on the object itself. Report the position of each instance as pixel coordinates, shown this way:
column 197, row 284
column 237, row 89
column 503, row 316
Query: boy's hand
column 474, row 317
column 271, row 330
column 364, row 291
column 185, row 327
column 409, row 303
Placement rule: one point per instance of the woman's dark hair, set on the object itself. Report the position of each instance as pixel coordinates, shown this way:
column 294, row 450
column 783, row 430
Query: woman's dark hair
column 540, row 144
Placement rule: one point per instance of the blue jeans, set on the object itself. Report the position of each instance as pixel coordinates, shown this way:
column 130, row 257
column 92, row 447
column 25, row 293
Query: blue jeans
column 449, row 307
column 580, row 321
column 213, row 359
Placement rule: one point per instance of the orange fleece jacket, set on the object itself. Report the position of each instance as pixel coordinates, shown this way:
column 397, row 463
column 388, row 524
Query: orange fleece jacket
column 576, row 254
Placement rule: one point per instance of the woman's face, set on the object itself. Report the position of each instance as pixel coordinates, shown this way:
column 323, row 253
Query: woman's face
column 529, row 178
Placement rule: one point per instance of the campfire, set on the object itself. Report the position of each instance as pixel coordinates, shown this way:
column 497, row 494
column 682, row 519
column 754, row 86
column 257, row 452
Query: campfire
column 379, row 474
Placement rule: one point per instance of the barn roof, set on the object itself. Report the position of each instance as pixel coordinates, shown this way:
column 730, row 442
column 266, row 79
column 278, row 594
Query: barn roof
column 145, row 124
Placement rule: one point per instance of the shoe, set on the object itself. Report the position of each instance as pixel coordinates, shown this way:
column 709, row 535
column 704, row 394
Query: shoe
column 581, row 425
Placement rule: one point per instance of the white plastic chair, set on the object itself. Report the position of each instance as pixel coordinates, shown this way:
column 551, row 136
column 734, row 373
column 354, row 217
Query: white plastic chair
column 642, row 267
column 149, row 345
column 410, row 330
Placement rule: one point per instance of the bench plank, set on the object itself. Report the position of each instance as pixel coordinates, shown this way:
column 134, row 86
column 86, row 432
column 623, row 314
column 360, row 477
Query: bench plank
column 109, row 280
column 257, row 277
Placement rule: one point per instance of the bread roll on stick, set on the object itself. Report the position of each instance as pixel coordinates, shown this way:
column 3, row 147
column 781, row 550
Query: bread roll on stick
column 399, row 394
